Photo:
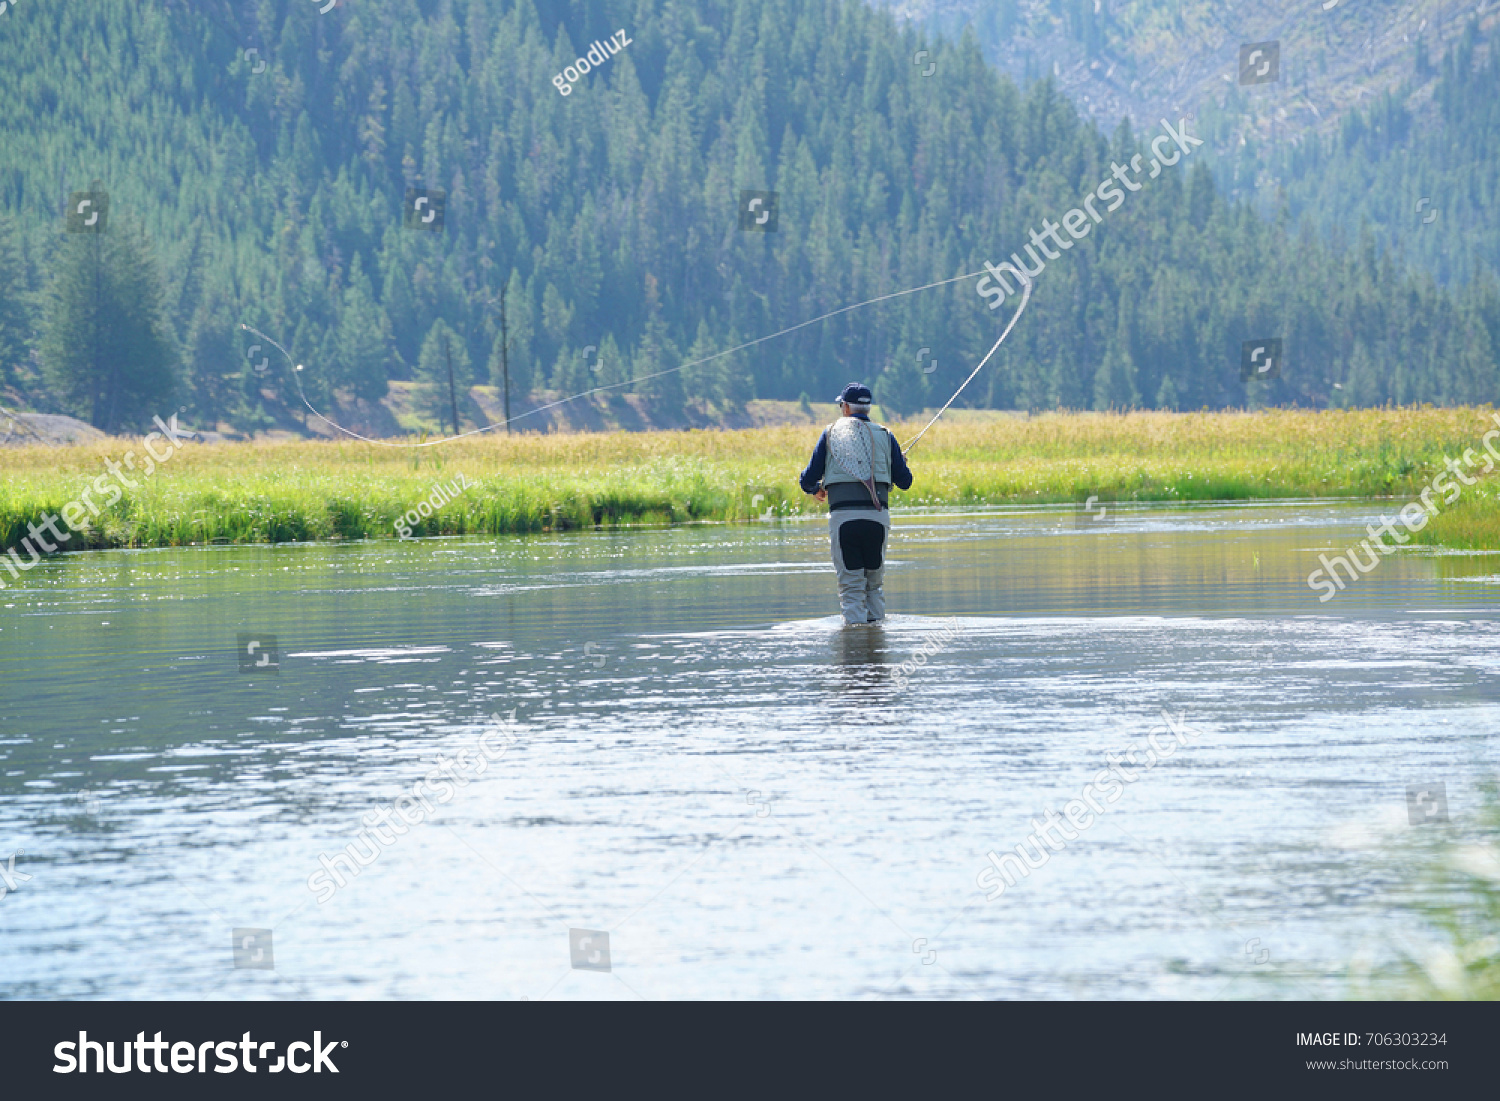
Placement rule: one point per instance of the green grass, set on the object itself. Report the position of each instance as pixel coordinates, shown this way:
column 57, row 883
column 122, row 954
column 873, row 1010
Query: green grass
column 1471, row 523
column 1453, row 883
column 318, row 490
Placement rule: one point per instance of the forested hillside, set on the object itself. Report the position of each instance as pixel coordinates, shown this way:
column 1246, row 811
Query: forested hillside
column 1420, row 169
column 1376, row 105
column 257, row 159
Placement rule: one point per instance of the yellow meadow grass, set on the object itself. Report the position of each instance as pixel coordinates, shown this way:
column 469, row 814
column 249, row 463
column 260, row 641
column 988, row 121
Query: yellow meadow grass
column 301, row 490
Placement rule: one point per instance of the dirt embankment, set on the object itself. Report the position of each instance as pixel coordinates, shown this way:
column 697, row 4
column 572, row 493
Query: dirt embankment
column 44, row 430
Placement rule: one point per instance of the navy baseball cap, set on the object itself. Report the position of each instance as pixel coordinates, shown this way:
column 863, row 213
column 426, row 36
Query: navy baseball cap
column 856, row 393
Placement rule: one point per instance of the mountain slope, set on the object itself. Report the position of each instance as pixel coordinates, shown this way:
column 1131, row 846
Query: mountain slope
column 1404, row 86
column 1141, row 59
column 270, row 150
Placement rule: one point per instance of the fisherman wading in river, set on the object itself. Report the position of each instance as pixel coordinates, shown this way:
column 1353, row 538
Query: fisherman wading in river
column 852, row 468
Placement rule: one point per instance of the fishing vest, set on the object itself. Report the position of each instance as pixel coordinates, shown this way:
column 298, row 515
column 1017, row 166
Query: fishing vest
column 853, row 491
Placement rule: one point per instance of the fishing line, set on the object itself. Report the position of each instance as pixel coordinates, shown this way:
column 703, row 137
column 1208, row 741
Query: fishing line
column 1025, row 297
column 296, row 376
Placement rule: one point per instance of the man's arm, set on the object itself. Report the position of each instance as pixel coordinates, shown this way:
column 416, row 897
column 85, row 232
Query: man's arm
column 812, row 477
column 900, row 472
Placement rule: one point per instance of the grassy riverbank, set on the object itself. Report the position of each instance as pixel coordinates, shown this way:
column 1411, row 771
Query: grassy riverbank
column 277, row 492
column 1470, row 523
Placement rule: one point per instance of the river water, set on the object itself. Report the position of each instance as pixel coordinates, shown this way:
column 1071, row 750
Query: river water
column 694, row 758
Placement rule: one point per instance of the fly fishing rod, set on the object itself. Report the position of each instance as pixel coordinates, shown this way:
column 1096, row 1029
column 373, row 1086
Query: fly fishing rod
column 1025, row 297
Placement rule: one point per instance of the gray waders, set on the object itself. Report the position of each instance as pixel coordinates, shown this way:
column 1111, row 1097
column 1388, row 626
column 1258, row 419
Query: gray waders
column 859, row 559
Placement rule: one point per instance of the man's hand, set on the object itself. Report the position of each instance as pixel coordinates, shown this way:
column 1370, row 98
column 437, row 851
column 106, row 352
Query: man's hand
column 821, row 495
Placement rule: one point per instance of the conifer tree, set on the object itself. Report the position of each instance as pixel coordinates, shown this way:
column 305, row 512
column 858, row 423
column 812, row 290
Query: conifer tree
column 433, row 396
column 657, row 353
column 365, row 349
column 214, row 362
column 106, row 350
column 15, row 321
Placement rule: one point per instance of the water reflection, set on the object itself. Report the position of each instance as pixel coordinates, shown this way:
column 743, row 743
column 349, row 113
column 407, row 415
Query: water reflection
column 862, row 654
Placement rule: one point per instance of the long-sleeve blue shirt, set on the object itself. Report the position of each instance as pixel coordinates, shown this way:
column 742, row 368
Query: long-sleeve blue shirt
column 812, row 477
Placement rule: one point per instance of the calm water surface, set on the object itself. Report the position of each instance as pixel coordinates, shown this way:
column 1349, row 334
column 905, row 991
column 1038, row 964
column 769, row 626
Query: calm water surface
column 749, row 800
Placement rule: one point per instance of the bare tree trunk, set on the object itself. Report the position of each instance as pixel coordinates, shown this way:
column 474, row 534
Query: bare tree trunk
column 452, row 391
column 505, row 356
